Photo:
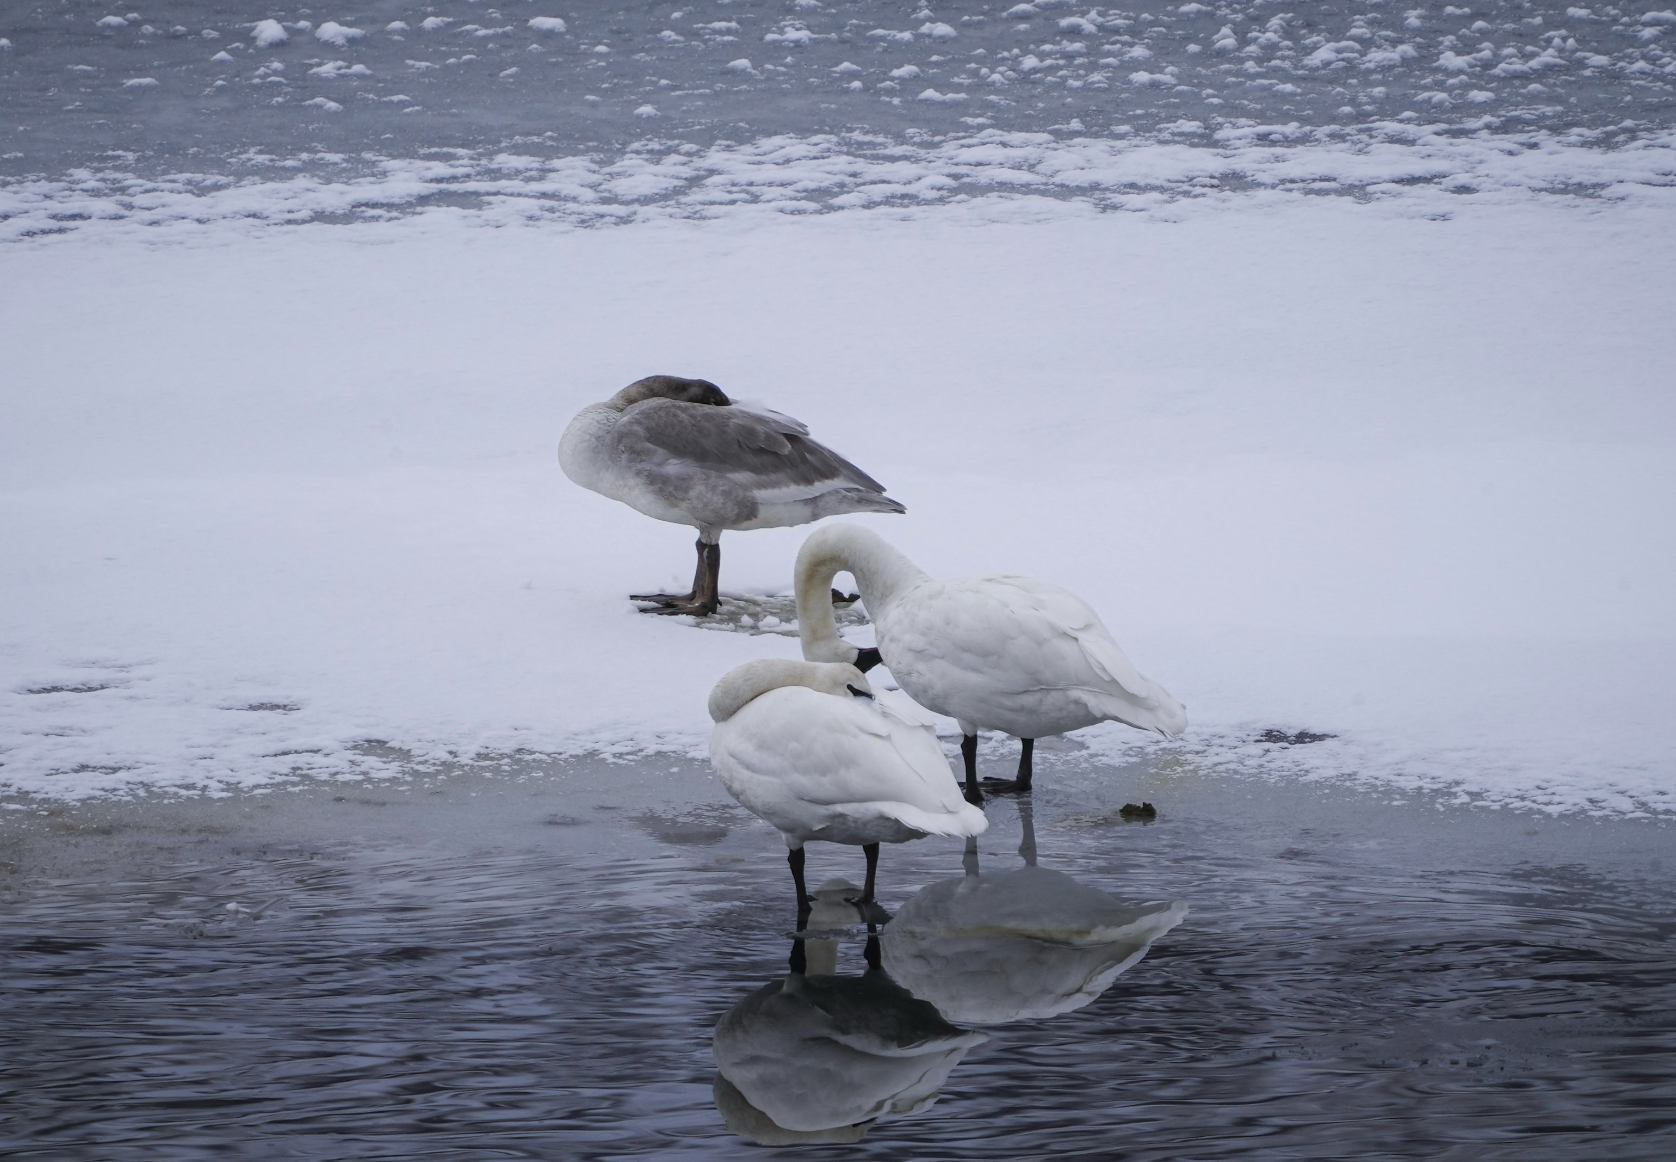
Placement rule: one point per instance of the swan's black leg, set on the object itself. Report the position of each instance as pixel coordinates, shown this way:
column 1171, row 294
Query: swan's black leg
column 707, row 592
column 799, row 962
column 794, row 857
column 868, row 908
column 969, row 753
column 1020, row 785
column 705, row 595
column 875, row 961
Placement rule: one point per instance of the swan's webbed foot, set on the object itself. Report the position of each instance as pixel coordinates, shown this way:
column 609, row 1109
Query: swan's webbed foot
column 1021, row 784
column 664, row 598
column 972, row 795
column 672, row 606
column 704, row 598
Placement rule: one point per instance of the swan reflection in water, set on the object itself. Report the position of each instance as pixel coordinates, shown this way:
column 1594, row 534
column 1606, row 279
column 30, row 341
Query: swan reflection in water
column 1030, row 943
column 819, row 1057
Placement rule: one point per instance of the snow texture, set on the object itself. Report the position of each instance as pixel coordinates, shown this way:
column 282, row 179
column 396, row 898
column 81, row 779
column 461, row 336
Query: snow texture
column 1396, row 469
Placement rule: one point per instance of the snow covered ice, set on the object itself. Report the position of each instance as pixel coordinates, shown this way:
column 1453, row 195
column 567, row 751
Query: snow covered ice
column 1325, row 352
column 1320, row 464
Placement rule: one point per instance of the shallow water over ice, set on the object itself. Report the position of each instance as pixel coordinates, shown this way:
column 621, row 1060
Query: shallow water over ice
column 531, row 965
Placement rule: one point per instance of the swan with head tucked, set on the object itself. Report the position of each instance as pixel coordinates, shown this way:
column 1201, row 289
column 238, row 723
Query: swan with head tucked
column 807, row 747
column 680, row 450
column 998, row 652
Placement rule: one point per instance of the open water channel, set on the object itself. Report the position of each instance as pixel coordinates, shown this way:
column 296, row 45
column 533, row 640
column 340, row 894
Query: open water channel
column 531, row 962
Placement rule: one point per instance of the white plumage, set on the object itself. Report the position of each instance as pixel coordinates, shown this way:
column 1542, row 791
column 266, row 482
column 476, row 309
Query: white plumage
column 806, row 746
column 999, row 652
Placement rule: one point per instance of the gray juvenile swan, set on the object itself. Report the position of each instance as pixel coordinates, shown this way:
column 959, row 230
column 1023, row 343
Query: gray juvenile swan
column 680, row 451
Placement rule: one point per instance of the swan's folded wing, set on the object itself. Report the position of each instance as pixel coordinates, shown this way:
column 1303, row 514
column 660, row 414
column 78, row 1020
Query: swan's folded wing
column 834, row 751
column 897, row 704
column 769, row 455
column 1071, row 615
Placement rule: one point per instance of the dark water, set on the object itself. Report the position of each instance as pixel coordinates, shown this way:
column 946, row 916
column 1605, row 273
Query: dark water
column 531, row 966
column 184, row 85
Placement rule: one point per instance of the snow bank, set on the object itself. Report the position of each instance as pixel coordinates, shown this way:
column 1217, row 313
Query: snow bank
column 278, row 502
column 1418, row 169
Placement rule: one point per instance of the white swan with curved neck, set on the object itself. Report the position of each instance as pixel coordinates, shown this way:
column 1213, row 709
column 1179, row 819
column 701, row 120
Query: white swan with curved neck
column 998, row 652
column 807, row 747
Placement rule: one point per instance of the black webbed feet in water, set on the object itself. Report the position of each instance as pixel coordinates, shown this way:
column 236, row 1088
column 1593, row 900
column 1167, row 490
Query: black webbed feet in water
column 972, row 795
column 867, row 658
column 1006, row 787
column 1145, row 811
column 844, row 601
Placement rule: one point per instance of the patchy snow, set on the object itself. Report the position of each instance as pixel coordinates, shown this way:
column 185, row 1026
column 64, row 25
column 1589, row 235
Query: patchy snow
column 1417, row 168
column 1394, row 469
column 267, row 33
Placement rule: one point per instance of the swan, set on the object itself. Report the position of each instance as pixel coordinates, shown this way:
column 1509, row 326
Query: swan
column 807, row 747
column 818, row 1058
column 1000, row 652
column 679, row 450
column 1026, row 944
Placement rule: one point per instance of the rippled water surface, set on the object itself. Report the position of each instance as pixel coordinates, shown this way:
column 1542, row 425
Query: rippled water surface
column 530, row 964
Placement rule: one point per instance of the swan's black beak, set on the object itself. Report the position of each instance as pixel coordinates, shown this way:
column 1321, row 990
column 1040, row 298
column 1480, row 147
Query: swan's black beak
column 866, row 659
column 844, row 600
column 858, row 693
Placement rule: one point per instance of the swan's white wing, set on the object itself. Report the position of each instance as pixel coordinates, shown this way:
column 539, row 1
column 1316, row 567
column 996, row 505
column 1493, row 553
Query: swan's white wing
column 1019, row 655
column 897, row 704
column 794, row 748
column 1072, row 615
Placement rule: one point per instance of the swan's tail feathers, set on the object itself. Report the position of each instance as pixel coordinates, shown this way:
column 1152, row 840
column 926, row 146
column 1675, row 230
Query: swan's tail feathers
column 962, row 823
column 843, row 500
column 1158, row 712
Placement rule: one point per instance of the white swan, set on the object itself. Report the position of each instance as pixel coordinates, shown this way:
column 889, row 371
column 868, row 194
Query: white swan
column 999, row 652
column 1026, row 944
column 807, row 747
column 679, row 450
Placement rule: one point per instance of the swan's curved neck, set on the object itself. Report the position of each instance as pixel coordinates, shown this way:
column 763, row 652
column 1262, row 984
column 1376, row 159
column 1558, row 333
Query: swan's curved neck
column 880, row 572
column 745, row 683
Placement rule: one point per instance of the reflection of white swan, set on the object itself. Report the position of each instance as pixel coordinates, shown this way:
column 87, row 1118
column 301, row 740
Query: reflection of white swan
column 810, row 1055
column 987, row 949
column 1001, row 652
column 807, row 747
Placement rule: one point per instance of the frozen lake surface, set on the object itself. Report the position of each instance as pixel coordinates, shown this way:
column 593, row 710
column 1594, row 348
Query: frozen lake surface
column 530, row 965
